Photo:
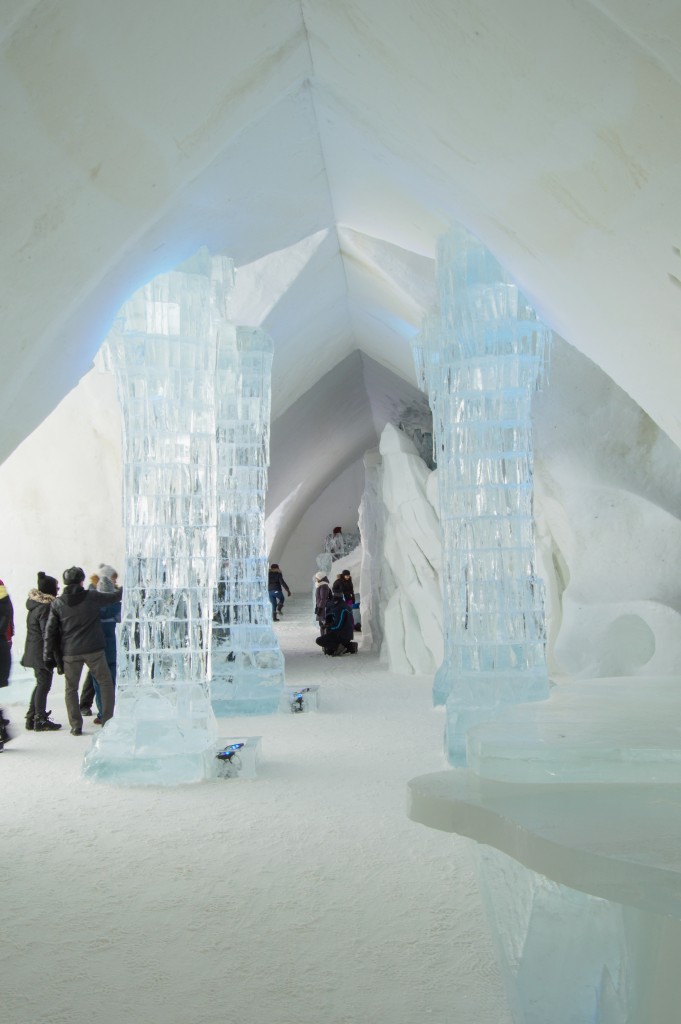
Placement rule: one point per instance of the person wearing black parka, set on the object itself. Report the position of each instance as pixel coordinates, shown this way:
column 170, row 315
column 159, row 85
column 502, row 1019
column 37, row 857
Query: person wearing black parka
column 74, row 633
column 38, row 609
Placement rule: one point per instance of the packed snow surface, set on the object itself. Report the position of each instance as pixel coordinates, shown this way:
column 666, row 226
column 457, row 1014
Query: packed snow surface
column 302, row 897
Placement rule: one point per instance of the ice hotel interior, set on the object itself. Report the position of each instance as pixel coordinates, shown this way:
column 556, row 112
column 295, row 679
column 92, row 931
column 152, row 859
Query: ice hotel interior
column 435, row 250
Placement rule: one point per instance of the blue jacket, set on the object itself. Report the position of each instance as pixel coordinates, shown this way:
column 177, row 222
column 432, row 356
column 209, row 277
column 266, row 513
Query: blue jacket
column 339, row 620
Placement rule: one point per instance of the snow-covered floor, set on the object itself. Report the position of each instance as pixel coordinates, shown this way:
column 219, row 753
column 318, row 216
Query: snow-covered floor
column 303, row 897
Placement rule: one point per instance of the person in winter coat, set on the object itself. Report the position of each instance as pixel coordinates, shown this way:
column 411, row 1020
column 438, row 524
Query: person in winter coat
column 344, row 585
column 276, row 585
column 340, row 627
column 38, row 605
column 87, row 694
column 74, row 631
column 322, row 593
column 6, row 634
column 109, row 615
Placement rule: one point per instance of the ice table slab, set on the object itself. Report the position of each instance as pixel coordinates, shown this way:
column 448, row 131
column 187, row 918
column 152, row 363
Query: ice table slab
column 607, row 730
column 247, row 759
column 575, row 804
column 620, row 843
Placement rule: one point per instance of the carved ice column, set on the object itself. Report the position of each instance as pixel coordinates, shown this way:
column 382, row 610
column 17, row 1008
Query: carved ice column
column 162, row 350
column 480, row 359
column 247, row 663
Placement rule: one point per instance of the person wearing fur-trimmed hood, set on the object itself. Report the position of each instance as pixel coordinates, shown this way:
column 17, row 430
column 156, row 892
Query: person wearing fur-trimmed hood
column 322, row 593
column 38, row 605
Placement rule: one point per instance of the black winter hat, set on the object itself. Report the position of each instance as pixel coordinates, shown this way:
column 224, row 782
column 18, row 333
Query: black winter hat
column 47, row 584
column 73, row 575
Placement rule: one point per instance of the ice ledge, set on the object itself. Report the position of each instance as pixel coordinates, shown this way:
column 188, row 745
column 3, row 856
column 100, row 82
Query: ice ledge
column 575, row 806
column 617, row 730
column 621, row 843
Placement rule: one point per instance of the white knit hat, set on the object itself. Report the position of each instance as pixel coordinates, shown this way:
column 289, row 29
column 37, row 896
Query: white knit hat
column 106, row 570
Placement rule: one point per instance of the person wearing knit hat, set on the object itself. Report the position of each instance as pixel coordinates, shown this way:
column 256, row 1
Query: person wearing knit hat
column 6, row 634
column 38, row 609
column 322, row 593
column 109, row 615
column 74, row 635
column 87, row 694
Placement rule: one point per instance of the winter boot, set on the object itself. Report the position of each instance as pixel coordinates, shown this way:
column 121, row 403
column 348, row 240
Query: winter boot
column 5, row 735
column 43, row 724
column 30, row 721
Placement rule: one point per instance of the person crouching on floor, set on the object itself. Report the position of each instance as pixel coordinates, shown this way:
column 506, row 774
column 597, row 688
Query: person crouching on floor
column 340, row 628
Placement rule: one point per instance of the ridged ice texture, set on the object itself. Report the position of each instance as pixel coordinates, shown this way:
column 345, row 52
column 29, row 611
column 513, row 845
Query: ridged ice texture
column 247, row 664
column 196, row 635
column 480, row 358
column 163, row 350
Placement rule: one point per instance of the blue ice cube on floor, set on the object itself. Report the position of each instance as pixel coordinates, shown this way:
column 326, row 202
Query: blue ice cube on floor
column 303, row 700
column 238, row 757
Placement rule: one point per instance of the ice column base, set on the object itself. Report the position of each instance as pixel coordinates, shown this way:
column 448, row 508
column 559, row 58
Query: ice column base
column 577, row 957
column 479, row 697
column 160, row 736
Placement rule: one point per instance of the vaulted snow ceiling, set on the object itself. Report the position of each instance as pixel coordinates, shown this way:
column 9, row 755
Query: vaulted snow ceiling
column 325, row 145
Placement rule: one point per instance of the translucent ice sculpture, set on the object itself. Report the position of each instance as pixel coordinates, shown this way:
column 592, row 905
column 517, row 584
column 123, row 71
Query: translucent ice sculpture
column 479, row 358
column 247, row 666
column 339, row 544
column 178, row 366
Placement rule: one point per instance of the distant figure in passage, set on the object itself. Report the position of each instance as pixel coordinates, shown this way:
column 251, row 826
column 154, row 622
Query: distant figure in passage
column 276, row 585
column 339, row 628
column 338, row 544
column 322, row 593
column 74, row 631
column 335, row 543
column 6, row 634
column 38, row 605
column 107, row 581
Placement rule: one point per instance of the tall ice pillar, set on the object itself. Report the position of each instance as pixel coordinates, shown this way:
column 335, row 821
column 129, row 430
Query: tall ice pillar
column 163, row 351
column 247, row 666
column 480, row 358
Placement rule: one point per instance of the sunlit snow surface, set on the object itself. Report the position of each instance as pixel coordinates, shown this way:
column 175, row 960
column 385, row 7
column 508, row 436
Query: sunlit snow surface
column 310, row 876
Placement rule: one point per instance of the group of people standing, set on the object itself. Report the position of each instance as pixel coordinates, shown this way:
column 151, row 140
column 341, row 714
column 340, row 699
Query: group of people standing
column 333, row 611
column 66, row 633
column 77, row 629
